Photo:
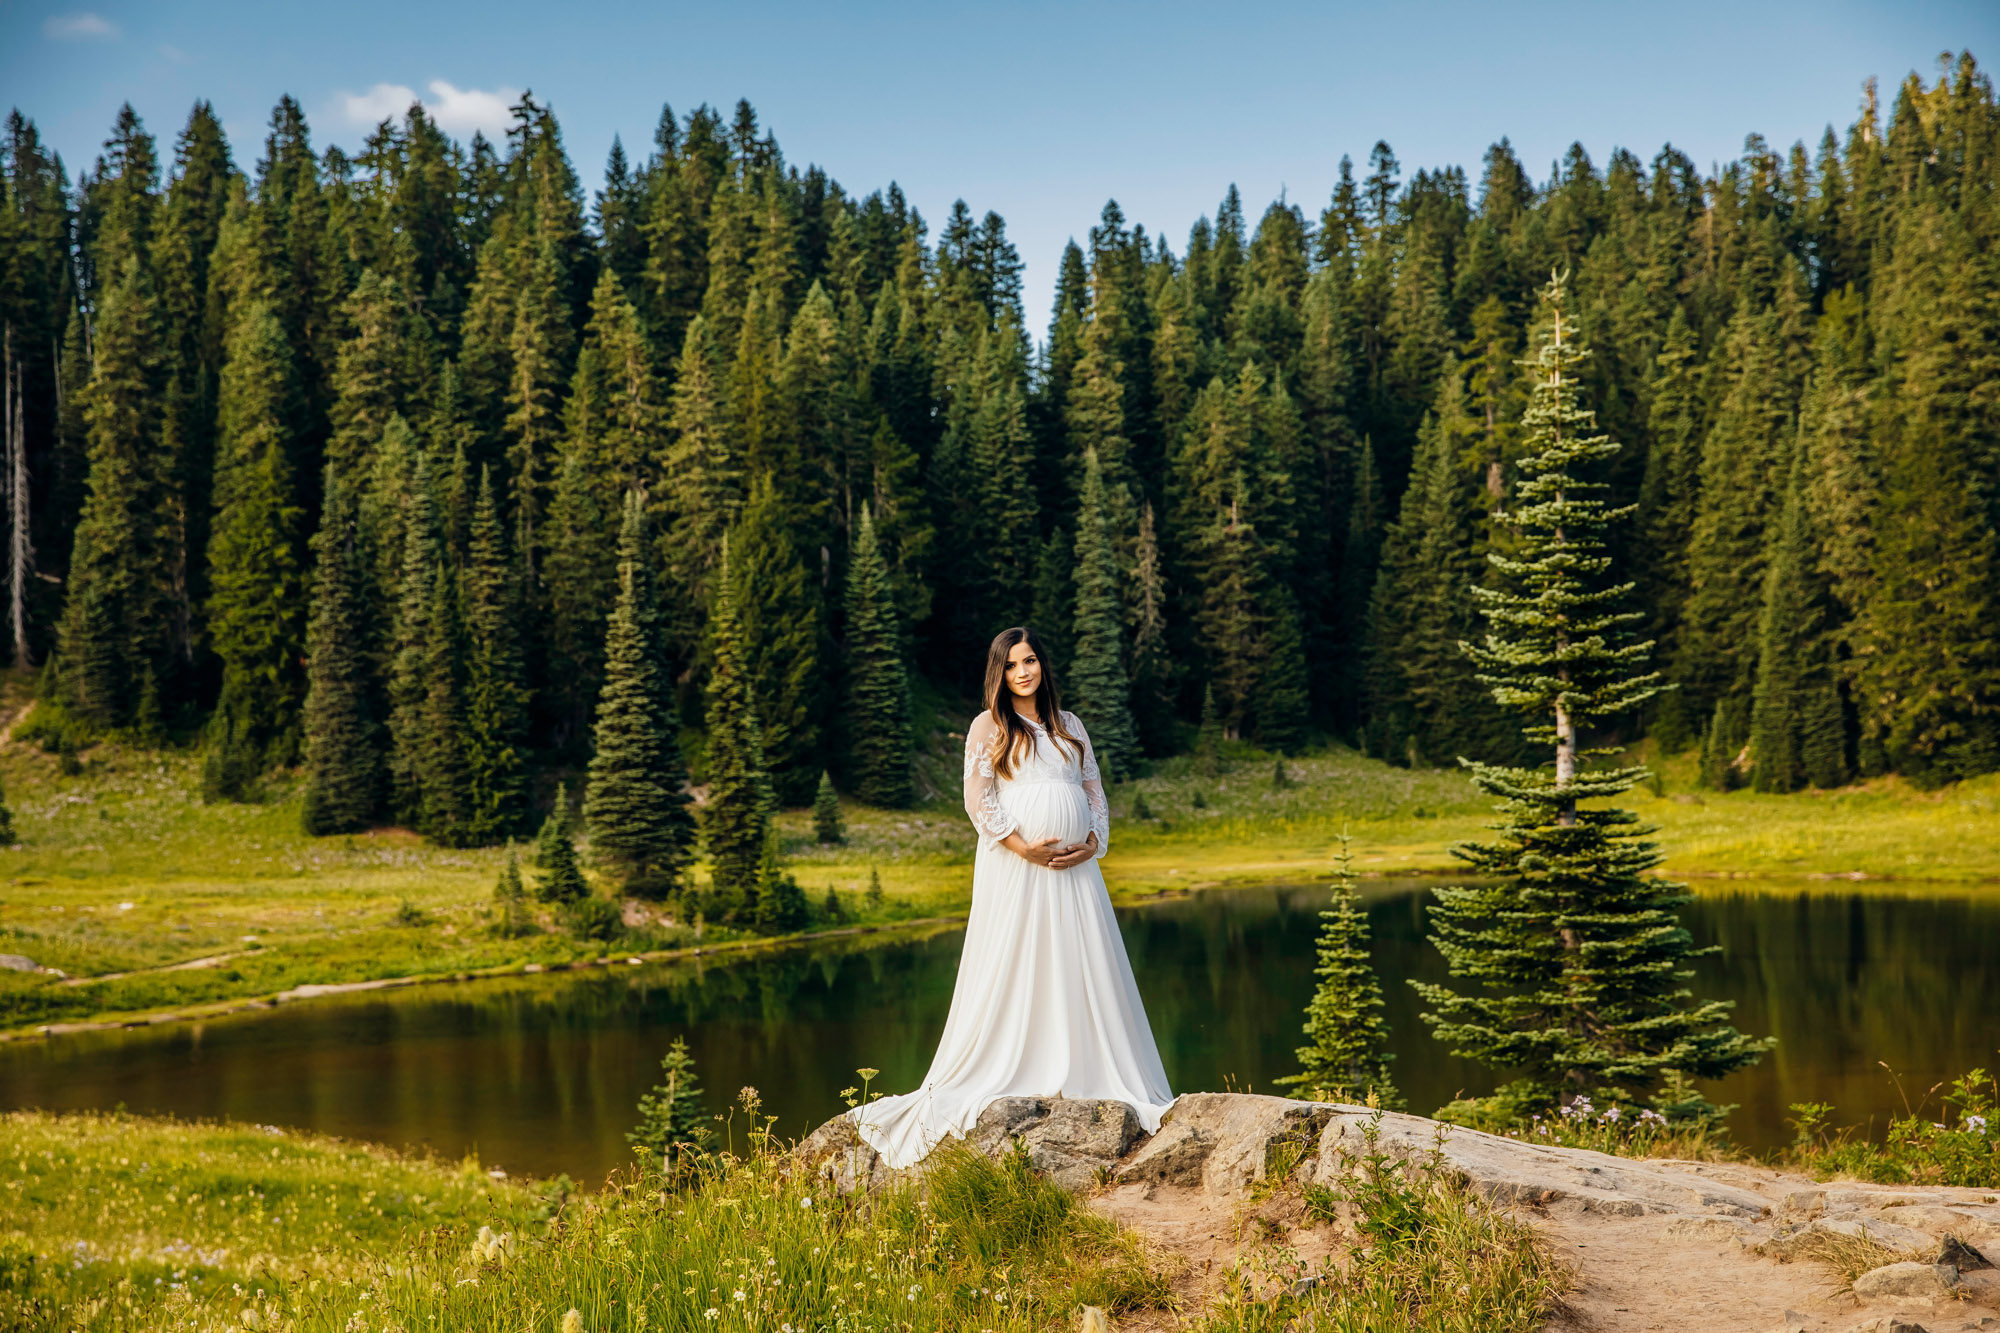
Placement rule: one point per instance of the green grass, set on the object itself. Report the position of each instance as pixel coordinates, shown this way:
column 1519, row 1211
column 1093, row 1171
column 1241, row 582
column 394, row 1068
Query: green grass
column 121, row 869
column 128, row 1223
column 118, row 1222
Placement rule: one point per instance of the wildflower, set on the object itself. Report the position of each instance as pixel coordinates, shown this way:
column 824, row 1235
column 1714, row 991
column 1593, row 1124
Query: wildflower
column 738, row 1296
column 806, row 1202
column 1976, row 1124
column 711, row 1313
column 1610, row 1114
column 573, row 1322
column 914, row 1289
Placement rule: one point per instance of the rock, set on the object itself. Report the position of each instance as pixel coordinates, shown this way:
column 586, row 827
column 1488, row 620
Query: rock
column 15, row 962
column 1960, row 1255
column 1792, row 1242
column 1224, row 1141
column 1067, row 1141
column 1888, row 1324
column 1305, row 1286
column 1790, row 1325
column 1968, row 1222
column 1517, row 1171
column 1174, row 1156
column 1908, row 1278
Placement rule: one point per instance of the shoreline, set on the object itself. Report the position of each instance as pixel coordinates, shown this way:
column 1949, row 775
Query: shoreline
column 1149, row 892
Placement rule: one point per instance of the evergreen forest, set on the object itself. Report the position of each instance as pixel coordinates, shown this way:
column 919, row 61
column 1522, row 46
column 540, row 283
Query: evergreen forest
column 430, row 473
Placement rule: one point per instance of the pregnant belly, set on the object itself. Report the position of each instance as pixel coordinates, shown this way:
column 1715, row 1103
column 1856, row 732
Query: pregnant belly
column 1048, row 810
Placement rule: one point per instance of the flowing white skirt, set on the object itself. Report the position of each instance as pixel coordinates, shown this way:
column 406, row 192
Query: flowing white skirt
column 1045, row 1003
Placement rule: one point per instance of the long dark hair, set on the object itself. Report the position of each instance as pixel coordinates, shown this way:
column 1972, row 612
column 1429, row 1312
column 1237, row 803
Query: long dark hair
column 1014, row 738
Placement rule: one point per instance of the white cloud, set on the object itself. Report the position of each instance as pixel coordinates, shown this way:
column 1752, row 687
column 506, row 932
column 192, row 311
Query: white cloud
column 456, row 110
column 83, row 26
column 171, row 52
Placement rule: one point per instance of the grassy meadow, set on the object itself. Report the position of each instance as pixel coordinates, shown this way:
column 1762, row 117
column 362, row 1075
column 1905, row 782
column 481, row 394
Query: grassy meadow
column 117, row 1223
column 150, row 901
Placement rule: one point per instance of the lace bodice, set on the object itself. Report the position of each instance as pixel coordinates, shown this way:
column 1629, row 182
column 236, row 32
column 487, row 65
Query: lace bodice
column 1050, row 761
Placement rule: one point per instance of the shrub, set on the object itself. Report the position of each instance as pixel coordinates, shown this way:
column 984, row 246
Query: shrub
column 593, row 918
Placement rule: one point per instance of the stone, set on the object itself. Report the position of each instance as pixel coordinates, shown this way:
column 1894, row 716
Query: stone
column 1252, row 1135
column 1968, row 1222
column 1791, row 1242
column 1069, row 1141
column 1888, row 1324
column 1519, row 1171
column 1955, row 1251
column 1907, row 1278
column 1174, row 1156
column 15, row 962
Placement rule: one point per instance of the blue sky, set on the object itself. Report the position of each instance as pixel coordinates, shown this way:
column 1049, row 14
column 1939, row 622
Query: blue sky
column 1040, row 111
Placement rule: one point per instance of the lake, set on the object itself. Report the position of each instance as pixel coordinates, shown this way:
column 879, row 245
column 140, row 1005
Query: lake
column 540, row 1074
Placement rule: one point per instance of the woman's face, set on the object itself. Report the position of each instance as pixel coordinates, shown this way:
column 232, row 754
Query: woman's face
column 1024, row 670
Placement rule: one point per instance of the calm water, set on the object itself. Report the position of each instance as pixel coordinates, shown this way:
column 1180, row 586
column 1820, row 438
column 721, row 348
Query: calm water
column 541, row 1074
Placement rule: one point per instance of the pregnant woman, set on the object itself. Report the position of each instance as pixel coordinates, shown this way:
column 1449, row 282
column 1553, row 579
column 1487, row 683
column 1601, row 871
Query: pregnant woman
column 1045, row 1003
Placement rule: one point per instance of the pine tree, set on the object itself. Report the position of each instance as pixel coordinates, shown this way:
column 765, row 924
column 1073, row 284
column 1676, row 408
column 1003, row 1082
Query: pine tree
column 444, row 776
column 1346, row 1053
column 637, row 802
column 672, row 1120
column 562, row 879
column 781, row 903
column 581, row 577
column 1100, row 693
column 827, row 828
column 116, row 629
column 496, row 698
column 555, row 827
column 878, row 691
column 1208, row 741
column 510, row 899
column 779, row 617
column 407, row 666
column 1788, row 646
column 1152, row 660
column 256, row 601
column 739, row 791
column 342, row 765
column 1577, row 955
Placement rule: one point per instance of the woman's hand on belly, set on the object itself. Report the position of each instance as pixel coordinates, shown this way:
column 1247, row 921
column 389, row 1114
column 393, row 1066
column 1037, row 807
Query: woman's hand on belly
column 1075, row 854
column 1042, row 852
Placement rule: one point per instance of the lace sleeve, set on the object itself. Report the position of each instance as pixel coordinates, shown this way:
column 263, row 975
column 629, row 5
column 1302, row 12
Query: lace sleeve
column 982, row 788
column 1093, row 790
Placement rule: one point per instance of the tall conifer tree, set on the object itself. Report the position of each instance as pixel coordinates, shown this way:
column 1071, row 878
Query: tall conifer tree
column 256, row 608
column 637, row 802
column 739, row 790
column 1100, row 691
column 343, row 766
column 878, row 691
column 496, row 698
column 1577, row 956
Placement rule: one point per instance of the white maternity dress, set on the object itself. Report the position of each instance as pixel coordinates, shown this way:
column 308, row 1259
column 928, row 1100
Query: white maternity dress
column 1045, row 1003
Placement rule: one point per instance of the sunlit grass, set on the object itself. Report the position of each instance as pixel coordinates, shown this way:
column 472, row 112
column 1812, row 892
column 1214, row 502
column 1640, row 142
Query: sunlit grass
column 314, row 1234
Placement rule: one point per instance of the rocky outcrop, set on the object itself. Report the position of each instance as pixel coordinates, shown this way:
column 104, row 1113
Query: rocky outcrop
column 1221, row 1143
column 1656, row 1235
